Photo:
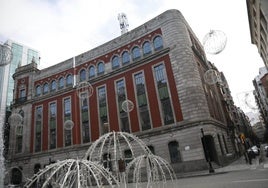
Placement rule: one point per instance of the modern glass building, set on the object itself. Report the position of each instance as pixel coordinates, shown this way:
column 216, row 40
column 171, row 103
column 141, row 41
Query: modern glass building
column 22, row 55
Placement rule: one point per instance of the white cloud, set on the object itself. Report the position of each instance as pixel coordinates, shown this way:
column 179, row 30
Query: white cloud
column 60, row 29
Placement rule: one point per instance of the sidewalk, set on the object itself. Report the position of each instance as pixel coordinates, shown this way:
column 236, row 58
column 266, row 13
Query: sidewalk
column 239, row 164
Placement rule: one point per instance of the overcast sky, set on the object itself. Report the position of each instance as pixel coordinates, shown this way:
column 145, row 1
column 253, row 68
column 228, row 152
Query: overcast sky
column 61, row 29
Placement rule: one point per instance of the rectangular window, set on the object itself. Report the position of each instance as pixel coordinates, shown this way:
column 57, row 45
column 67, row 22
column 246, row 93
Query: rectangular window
column 128, row 156
column 121, row 97
column 103, row 110
column 67, row 116
column 107, row 162
column 174, row 152
column 19, row 133
column 163, row 93
column 142, row 101
column 38, row 128
column 52, row 125
column 225, row 145
column 84, row 117
column 219, row 139
column 22, row 93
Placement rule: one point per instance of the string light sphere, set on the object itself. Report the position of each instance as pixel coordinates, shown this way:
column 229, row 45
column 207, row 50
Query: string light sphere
column 68, row 125
column 211, row 77
column 15, row 119
column 84, row 90
column 77, row 173
column 158, row 171
column 127, row 105
column 250, row 101
column 214, row 42
column 5, row 55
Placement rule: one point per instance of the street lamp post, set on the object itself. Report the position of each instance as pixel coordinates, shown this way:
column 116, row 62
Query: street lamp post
column 211, row 170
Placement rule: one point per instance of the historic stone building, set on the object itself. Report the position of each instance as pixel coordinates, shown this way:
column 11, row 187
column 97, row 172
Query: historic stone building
column 158, row 66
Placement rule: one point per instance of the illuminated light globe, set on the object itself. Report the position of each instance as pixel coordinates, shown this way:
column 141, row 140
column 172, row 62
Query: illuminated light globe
column 127, row 105
column 109, row 150
column 5, row 55
column 249, row 101
column 84, row 90
column 214, row 42
column 75, row 173
column 114, row 143
column 15, row 119
column 158, row 171
column 68, row 125
column 130, row 160
column 211, row 77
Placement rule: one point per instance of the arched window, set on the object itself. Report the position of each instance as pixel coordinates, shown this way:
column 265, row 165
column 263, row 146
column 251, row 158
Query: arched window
column 91, row 71
column 158, row 43
column 125, row 57
column 37, row 167
column 38, row 90
column 174, row 152
column 107, row 163
column 61, row 83
column 146, row 48
column 128, row 156
column 21, row 112
column 53, row 85
column 136, row 54
column 45, row 88
column 82, row 75
column 19, row 133
column 16, row 176
column 115, row 62
column 100, row 68
column 69, row 80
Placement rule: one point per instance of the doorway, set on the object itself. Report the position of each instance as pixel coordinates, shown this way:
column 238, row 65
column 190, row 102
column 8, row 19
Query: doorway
column 209, row 148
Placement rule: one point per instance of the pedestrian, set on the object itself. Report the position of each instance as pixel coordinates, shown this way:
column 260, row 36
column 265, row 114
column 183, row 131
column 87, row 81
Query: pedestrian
column 251, row 155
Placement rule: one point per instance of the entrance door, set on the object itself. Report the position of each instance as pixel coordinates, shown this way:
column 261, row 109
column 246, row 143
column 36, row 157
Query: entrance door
column 16, row 176
column 209, row 148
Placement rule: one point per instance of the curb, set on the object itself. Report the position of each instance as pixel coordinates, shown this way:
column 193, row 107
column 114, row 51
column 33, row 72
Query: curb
column 199, row 175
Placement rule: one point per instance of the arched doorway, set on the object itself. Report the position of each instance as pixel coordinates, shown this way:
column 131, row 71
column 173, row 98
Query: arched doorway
column 16, row 176
column 209, row 149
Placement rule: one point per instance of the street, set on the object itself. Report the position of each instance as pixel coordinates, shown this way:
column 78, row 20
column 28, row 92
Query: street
column 252, row 178
column 246, row 178
column 236, row 175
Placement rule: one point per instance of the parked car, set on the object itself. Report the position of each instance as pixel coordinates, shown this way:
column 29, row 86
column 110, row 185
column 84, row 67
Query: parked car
column 256, row 150
column 266, row 148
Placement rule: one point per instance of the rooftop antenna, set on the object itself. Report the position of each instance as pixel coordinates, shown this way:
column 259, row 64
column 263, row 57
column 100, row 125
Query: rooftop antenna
column 122, row 18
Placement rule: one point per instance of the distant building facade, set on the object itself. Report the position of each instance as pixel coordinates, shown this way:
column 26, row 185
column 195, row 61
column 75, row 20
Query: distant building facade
column 159, row 66
column 21, row 55
column 258, row 19
column 261, row 93
column 259, row 130
column 258, row 22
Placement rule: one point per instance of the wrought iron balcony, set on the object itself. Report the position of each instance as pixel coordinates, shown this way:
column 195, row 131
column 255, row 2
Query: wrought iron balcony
column 20, row 100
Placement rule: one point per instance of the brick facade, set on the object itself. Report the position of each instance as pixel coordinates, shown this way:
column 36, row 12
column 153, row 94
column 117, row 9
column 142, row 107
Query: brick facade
column 184, row 62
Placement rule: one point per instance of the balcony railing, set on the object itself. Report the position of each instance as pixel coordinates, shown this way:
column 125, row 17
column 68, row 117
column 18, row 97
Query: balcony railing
column 20, row 100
